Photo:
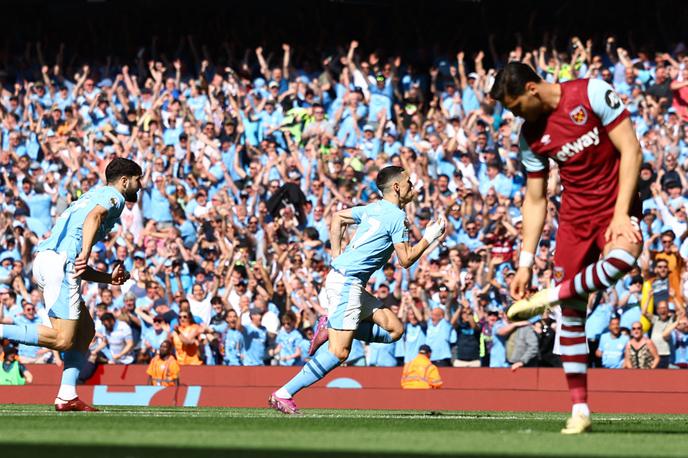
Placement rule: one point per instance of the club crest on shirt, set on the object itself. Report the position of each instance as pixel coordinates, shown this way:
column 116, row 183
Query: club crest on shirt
column 113, row 201
column 578, row 115
column 558, row 274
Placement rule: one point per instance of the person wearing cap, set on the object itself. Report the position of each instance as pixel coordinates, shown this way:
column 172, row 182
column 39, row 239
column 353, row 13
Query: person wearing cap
column 154, row 335
column 421, row 373
column 61, row 263
column 163, row 369
column 12, row 371
column 353, row 312
column 371, row 141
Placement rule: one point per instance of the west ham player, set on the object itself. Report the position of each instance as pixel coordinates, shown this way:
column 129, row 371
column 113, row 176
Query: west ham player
column 353, row 312
column 583, row 126
column 61, row 263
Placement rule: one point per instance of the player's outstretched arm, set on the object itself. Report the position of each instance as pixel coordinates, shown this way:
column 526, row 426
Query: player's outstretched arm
column 408, row 254
column 534, row 212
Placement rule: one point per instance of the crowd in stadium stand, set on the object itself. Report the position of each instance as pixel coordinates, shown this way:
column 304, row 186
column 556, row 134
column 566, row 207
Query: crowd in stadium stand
column 243, row 167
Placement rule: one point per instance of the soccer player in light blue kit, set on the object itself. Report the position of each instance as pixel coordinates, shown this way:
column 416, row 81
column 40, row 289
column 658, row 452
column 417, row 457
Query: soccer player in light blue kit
column 353, row 312
column 61, row 262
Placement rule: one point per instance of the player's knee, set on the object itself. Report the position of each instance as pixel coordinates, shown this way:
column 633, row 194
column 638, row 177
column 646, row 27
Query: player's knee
column 635, row 250
column 64, row 342
column 396, row 332
column 341, row 353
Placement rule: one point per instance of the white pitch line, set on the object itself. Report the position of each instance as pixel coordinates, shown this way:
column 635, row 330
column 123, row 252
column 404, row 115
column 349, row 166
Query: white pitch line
column 307, row 415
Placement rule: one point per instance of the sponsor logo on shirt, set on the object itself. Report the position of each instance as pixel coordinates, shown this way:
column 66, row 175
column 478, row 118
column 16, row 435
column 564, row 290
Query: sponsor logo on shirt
column 579, row 115
column 558, row 274
column 570, row 149
column 612, row 99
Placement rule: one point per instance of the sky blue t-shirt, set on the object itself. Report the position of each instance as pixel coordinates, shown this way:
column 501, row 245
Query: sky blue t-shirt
column 612, row 350
column 438, row 337
column 414, row 337
column 234, row 347
column 498, row 350
column 382, row 354
column 66, row 236
column 288, row 342
column 679, row 347
column 597, row 322
column 39, row 205
column 255, row 339
column 380, row 226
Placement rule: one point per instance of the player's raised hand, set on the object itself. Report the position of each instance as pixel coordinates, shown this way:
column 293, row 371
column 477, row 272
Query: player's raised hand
column 622, row 226
column 520, row 282
column 435, row 229
column 119, row 274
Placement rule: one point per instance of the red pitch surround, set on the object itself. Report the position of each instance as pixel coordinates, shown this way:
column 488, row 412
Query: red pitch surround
column 611, row 391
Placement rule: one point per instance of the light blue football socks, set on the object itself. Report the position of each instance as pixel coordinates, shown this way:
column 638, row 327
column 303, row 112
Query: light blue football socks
column 26, row 334
column 318, row 367
column 73, row 361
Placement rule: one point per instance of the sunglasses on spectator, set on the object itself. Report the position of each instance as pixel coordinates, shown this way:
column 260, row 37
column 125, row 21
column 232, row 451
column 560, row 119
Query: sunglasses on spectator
column 667, row 241
column 183, row 316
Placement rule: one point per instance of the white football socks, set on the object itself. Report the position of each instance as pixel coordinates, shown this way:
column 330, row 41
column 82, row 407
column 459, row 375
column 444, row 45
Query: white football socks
column 282, row 393
column 581, row 409
column 66, row 393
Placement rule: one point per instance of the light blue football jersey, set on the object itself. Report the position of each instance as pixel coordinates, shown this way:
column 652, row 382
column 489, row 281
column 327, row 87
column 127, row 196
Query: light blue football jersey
column 380, row 226
column 66, row 236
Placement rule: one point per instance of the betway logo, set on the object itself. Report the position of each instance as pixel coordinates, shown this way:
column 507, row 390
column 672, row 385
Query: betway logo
column 571, row 149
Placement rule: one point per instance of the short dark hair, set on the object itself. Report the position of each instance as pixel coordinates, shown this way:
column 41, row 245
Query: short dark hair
column 511, row 80
column 107, row 316
column 121, row 167
column 669, row 233
column 387, row 175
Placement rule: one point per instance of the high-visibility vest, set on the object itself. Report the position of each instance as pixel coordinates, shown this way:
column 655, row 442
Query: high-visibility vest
column 420, row 373
column 12, row 376
column 163, row 372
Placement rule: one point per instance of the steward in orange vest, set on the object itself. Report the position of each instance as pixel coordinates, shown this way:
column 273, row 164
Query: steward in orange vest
column 163, row 369
column 421, row 373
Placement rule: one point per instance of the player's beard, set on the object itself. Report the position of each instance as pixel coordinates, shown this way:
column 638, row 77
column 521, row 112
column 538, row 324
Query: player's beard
column 131, row 195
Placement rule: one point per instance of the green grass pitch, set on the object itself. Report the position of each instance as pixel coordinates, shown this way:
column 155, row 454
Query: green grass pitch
column 37, row 431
